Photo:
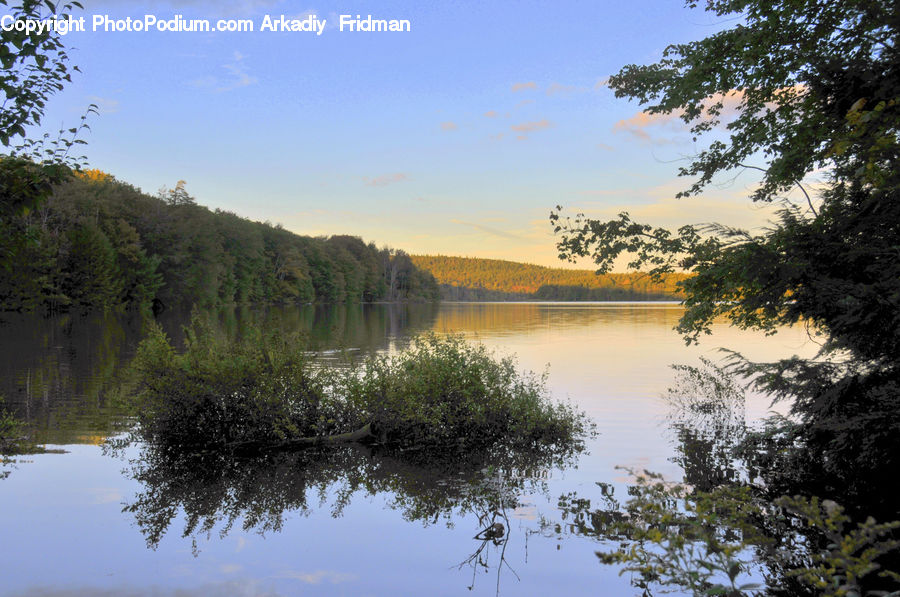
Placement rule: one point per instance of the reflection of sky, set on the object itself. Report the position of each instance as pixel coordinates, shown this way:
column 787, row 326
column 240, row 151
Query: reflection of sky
column 63, row 532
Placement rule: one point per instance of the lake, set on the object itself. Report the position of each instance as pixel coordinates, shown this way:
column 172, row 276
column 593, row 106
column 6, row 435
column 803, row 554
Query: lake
column 102, row 520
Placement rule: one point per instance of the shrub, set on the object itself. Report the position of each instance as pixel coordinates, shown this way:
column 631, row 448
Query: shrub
column 266, row 389
column 443, row 389
column 262, row 388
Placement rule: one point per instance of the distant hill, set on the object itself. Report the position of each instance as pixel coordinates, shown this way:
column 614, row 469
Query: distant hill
column 96, row 242
column 471, row 278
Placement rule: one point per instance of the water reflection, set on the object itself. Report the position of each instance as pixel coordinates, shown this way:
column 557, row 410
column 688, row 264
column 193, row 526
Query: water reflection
column 213, row 492
column 58, row 373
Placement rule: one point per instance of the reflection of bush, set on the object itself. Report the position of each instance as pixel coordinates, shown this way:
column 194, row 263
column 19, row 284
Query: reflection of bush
column 716, row 534
column 214, row 489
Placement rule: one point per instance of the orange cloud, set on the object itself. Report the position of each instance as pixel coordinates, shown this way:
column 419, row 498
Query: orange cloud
column 523, row 86
column 448, row 126
column 527, row 127
column 383, row 181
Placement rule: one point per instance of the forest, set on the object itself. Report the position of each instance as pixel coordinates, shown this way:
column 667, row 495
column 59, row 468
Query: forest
column 472, row 278
column 99, row 242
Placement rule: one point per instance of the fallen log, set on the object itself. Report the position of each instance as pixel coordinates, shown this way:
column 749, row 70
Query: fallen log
column 362, row 435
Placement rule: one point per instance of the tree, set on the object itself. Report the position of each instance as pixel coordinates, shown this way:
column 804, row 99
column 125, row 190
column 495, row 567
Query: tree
column 813, row 84
column 35, row 66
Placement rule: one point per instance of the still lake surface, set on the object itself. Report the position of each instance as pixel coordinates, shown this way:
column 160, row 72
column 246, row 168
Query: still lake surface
column 101, row 521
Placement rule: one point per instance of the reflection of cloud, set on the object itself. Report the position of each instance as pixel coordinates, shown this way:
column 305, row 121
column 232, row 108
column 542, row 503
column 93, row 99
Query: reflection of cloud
column 386, row 179
column 527, row 127
column 448, row 126
column 315, row 578
column 236, row 588
column 105, row 495
column 523, row 86
column 487, row 229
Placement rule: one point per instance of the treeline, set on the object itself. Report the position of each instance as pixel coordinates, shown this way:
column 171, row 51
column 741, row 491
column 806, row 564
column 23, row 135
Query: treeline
column 469, row 278
column 98, row 242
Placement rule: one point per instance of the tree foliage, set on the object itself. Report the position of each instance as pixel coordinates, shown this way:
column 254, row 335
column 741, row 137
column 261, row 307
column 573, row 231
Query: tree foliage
column 467, row 277
column 98, row 242
column 797, row 87
column 35, row 66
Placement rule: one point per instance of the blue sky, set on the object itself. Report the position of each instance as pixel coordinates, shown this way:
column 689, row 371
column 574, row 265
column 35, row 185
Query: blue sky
column 456, row 137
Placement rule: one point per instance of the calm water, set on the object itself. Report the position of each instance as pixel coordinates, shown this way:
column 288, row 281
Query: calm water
column 96, row 521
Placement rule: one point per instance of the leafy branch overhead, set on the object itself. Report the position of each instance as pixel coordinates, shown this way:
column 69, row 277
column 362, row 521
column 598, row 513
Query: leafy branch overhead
column 35, row 67
column 816, row 85
column 791, row 88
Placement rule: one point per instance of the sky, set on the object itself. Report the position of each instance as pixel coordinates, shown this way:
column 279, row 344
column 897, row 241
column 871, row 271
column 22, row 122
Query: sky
column 456, row 137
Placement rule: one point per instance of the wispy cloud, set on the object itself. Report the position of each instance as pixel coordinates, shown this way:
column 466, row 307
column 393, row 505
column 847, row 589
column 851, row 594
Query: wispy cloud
column 105, row 105
column 237, row 76
column 487, row 229
column 638, row 124
column 492, row 114
column 560, row 89
column 238, row 71
column 386, row 179
column 605, row 147
column 528, row 127
column 516, row 87
column 448, row 126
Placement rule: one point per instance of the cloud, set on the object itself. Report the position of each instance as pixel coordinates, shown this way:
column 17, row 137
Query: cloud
column 492, row 114
column 605, row 147
column 516, row 87
column 237, row 77
column 527, row 127
column 238, row 71
column 104, row 105
column 560, row 89
column 524, row 102
column 219, row 7
column 658, row 206
column 636, row 125
column 488, row 229
column 386, row 179
column 448, row 126
column 604, row 82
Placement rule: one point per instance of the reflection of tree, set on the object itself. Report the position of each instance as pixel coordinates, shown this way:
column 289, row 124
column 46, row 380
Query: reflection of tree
column 58, row 372
column 219, row 491
column 707, row 417
column 493, row 534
